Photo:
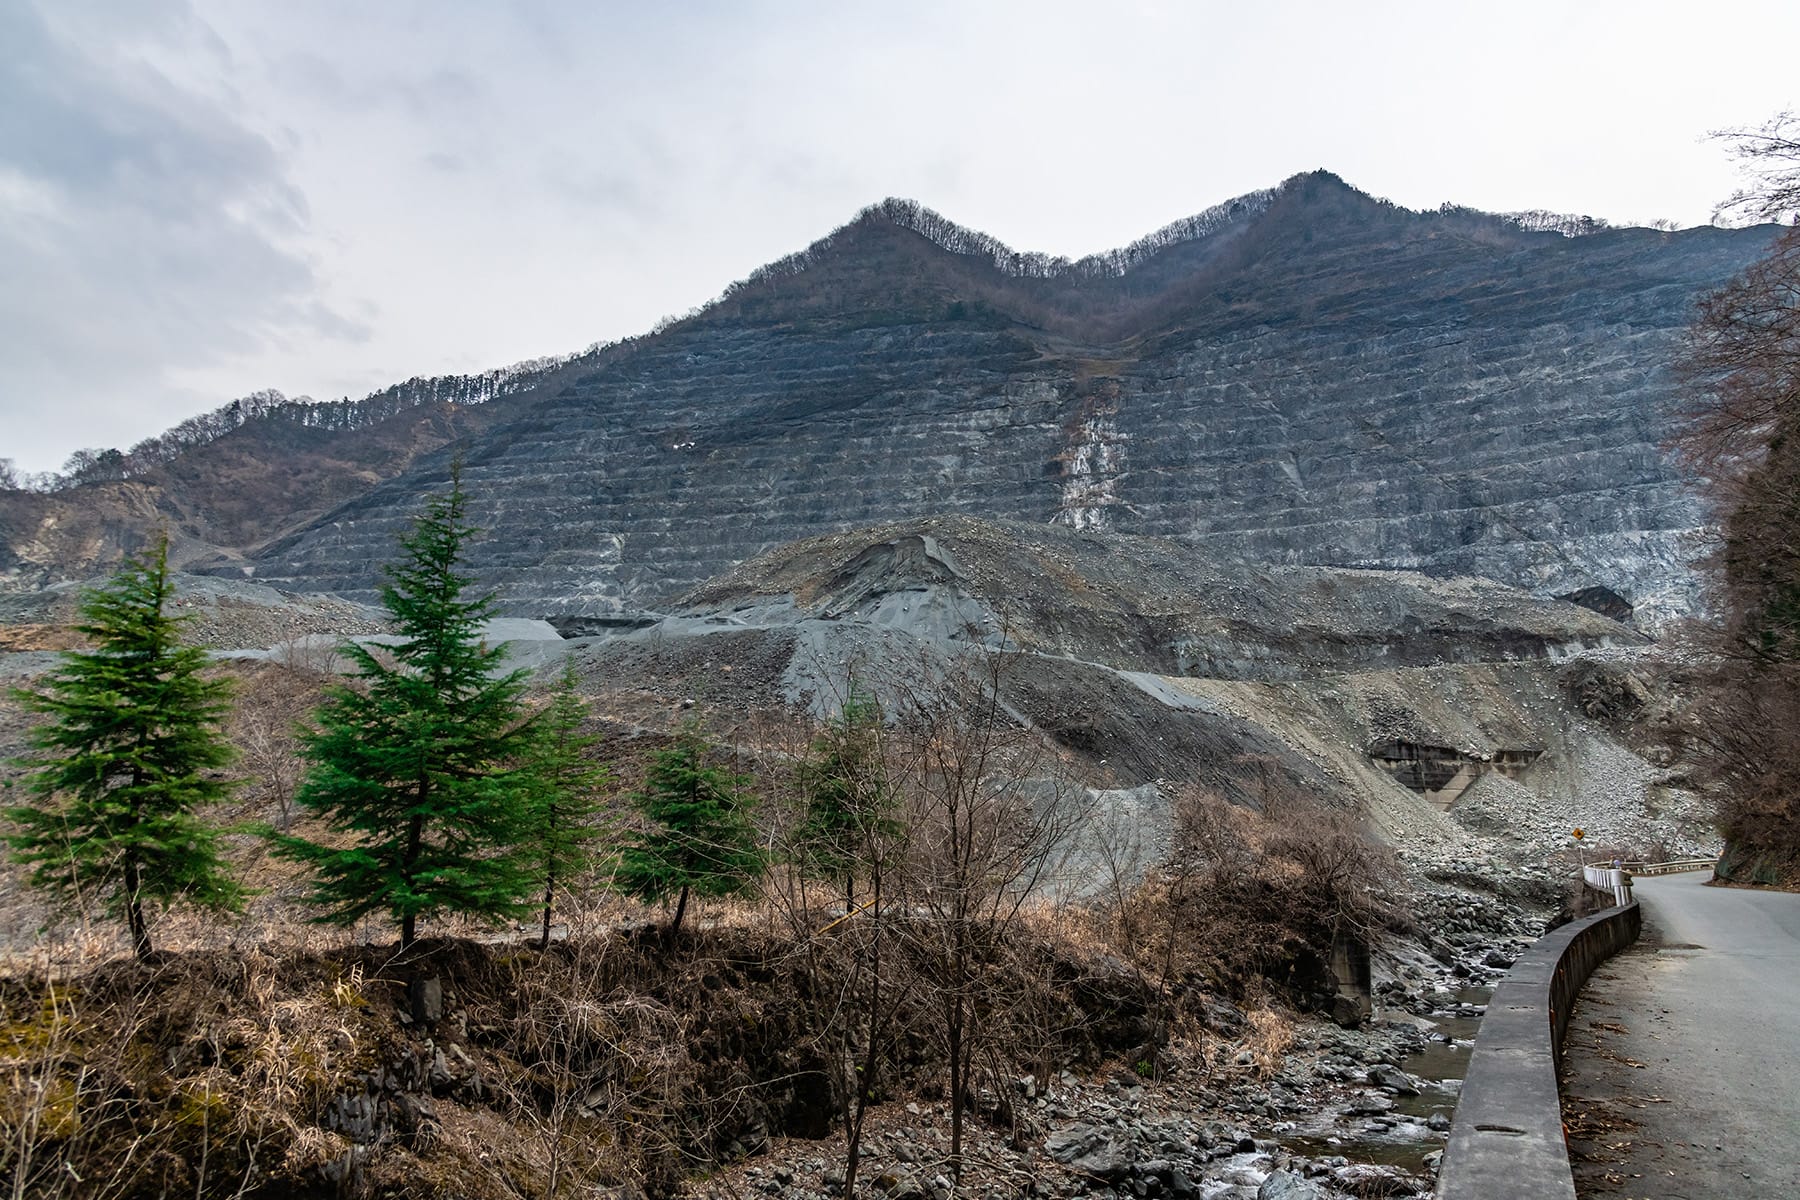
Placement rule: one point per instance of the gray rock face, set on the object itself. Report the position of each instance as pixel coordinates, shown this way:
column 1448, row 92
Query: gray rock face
column 1151, row 605
column 1316, row 378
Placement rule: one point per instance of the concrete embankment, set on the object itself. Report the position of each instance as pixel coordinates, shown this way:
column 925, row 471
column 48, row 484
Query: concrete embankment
column 1507, row 1137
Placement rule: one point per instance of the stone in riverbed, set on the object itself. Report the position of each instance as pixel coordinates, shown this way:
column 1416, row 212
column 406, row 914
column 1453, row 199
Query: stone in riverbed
column 1393, row 1079
column 1363, row 1179
column 1369, row 1105
column 1091, row 1150
column 1286, row 1185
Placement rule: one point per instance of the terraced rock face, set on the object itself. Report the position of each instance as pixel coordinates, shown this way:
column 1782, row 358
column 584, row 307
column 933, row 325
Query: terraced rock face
column 1306, row 376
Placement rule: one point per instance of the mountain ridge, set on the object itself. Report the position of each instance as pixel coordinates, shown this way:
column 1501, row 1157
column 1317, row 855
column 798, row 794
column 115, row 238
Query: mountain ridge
column 904, row 213
column 1323, row 377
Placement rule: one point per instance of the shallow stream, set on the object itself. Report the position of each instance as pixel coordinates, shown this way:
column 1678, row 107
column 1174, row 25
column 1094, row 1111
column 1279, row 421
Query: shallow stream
column 1401, row 1136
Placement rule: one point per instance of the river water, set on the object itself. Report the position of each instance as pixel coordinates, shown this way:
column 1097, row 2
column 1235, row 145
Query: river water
column 1402, row 1136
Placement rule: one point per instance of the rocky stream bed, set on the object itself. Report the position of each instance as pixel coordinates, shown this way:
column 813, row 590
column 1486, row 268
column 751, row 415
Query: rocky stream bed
column 1309, row 1112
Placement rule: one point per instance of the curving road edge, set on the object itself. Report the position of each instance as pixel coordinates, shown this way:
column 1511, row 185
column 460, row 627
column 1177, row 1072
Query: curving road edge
column 1688, row 1048
column 1506, row 1139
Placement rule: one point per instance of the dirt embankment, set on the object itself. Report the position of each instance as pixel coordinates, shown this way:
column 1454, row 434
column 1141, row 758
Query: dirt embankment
column 477, row 1070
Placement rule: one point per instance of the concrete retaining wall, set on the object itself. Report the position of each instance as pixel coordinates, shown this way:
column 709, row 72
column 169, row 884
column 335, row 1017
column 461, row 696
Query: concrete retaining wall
column 1506, row 1139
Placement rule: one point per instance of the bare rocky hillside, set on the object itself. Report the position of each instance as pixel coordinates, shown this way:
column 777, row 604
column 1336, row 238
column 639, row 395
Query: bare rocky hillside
column 1446, row 712
column 1309, row 376
column 1305, row 375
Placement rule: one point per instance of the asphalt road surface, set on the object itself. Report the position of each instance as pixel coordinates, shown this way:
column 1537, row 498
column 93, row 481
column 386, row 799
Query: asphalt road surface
column 1681, row 1073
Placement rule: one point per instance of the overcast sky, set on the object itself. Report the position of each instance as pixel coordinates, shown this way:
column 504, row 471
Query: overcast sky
column 199, row 200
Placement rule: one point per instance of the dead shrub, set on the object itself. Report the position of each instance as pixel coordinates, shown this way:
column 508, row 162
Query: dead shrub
column 1267, row 1036
column 1250, row 897
column 274, row 700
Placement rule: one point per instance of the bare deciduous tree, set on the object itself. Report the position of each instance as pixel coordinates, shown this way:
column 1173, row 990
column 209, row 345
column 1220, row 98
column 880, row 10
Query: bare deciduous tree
column 273, row 701
column 984, row 830
column 1742, row 436
column 1770, row 156
column 843, row 826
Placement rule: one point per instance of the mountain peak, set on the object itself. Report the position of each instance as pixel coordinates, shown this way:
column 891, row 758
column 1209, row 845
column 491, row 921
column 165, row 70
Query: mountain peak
column 947, row 235
column 958, row 239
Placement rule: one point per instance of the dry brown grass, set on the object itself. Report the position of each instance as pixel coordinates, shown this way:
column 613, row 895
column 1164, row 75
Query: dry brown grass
column 1269, row 1034
column 199, row 1075
column 40, row 637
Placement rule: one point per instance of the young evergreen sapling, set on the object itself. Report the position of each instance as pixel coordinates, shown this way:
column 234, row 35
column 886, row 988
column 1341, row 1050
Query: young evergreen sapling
column 565, row 794
column 850, row 811
column 700, row 838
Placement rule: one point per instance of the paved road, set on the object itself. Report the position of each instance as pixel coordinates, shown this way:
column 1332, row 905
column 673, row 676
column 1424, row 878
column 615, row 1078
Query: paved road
column 1709, row 1003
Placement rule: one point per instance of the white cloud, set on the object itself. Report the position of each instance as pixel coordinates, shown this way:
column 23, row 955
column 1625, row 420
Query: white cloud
column 143, row 229
column 326, row 197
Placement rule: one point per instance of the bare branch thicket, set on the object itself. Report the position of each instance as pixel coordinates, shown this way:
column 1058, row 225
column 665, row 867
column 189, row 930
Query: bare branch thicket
column 839, row 837
column 1249, row 898
column 843, row 833
column 1737, row 734
column 1741, row 435
column 1130, row 877
column 600, row 1066
column 1770, row 157
column 273, row 702
column 1741, row 371
column 987, row 805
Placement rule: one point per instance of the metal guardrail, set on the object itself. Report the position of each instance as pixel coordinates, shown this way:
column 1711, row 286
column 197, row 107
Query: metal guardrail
column 1674, row 867
column 1615, row 881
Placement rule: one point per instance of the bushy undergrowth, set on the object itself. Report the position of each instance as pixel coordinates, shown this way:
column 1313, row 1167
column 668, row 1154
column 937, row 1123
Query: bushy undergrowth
column 904, row 947
column 627, row 1057
column 1250, row 900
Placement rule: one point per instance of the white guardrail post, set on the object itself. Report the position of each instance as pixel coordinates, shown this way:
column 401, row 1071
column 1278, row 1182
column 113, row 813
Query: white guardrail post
column 1609, row 879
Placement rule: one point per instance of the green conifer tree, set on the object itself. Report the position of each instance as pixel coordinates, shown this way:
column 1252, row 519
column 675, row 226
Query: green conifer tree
column 849, row 806
column 700, row 839
column 565, row 794
column 129, row 752
column 419, row 760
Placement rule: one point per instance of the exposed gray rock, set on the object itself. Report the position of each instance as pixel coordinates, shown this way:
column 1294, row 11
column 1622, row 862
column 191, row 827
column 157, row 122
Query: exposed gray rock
column 427, row 999
column 1319, row 378
column 1368, row 1105
column 1092, row 1150
column 1393, row 1079
column 1363, row 1179
column 1286, row 1185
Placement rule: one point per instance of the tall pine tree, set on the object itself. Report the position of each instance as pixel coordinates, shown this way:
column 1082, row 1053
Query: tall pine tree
column 131, row 748
column 699, row 838
column 565, row 795
column 417, row 762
